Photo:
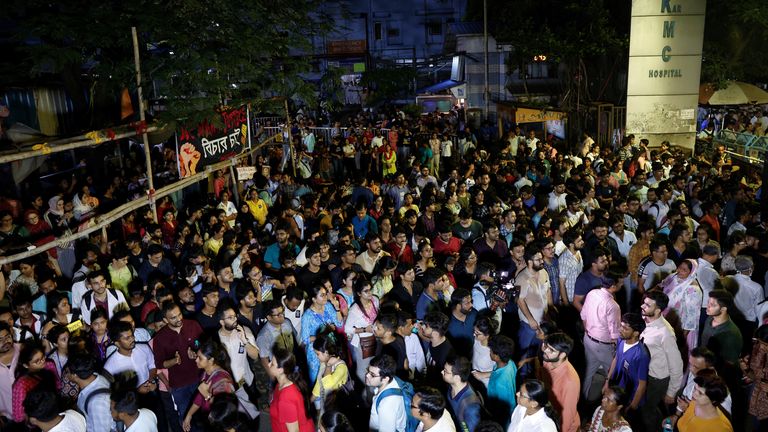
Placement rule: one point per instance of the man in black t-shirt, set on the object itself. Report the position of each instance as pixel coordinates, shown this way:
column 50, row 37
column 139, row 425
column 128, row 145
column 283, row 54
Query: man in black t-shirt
column 391, row 343
column 433, row 329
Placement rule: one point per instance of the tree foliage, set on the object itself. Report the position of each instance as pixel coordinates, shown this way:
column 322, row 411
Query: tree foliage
column 387, row 83
column 735, row 36
column 586, row 37
column 194, row 53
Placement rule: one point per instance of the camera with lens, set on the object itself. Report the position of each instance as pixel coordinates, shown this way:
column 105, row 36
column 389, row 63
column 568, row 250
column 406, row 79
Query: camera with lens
column 502, row 290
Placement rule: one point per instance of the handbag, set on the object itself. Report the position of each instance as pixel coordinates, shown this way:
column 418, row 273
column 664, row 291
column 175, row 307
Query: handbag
column 368, row 346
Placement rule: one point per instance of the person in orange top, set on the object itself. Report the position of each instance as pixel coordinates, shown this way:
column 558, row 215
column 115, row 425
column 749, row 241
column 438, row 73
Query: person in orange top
column 562, row 380
column 703, row 413
column 713, row 210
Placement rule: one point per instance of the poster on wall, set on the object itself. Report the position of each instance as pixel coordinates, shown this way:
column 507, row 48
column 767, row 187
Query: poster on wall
column 212, row 140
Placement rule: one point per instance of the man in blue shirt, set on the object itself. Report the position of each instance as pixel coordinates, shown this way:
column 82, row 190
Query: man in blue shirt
column 272, row 254
column 629, row 368
column 592, row 277
column 463, row 403
column 435, row 282
column 462, row 323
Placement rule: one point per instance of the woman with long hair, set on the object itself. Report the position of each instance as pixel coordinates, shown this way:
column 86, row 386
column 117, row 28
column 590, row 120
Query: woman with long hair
column 406, row 289
column 533, row 411
column 289, row 409
column 425, row 258
column 32, row 371
column 333, row 374
column 346, row 293
column 465, row 268
column 59, row 311
column 213, row 359
column 704, row 236
column 319, row 314
column 359, row 324
column 381, row 281
column 607, row 417
column 58, row 338
column 485, row 328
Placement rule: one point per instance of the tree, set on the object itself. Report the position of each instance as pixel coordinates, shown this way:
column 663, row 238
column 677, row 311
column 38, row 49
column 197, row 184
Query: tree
column 587, row 38
column 195, row 53
column 734, row 42
column 386, row 83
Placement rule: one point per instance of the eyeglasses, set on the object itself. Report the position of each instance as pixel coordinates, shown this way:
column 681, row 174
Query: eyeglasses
column 371, row 374
column 414, row 407
column 521, row 395
column 281, row 314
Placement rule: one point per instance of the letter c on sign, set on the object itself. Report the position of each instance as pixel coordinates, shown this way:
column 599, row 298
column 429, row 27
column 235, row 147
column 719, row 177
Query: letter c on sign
column 664, row 53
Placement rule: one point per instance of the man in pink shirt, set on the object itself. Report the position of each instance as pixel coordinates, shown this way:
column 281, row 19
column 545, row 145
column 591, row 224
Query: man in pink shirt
column 601, row 316
column 562, row 380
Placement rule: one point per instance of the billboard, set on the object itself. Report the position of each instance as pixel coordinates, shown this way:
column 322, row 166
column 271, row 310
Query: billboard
column 665, row 46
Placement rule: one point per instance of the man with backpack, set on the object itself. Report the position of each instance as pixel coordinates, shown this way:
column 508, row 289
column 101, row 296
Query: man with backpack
column 93, row 400
column 390, row 410
column 464, row 403
column 100, row 295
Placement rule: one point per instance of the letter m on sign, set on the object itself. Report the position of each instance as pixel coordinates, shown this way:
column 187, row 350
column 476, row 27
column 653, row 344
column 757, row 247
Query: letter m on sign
column 665, row 6
column 669, row 29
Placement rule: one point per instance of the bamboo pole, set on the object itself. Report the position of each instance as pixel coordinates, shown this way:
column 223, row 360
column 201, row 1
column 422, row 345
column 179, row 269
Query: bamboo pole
column 67, row 144
column 145, row 138
column 107, row 218
column 290, row 137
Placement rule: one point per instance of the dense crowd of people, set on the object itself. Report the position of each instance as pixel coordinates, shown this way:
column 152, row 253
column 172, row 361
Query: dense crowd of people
column 416, row 275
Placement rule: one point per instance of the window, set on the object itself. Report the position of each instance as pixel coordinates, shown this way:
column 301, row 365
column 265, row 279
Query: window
column 435, row 28
column 377, row 31
column 538, row 70
column 393, row 33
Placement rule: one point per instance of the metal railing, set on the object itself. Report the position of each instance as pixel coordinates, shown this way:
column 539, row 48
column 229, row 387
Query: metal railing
column 748, row 147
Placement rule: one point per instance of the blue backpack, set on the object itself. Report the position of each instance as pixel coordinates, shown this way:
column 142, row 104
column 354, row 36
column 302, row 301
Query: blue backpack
column 407, row 392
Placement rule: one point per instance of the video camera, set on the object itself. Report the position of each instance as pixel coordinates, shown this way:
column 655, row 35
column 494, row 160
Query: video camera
column 502, row 290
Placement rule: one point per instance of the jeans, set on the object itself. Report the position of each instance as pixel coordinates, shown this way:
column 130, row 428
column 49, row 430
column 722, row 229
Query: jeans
column 529, row 347
column 182, row 397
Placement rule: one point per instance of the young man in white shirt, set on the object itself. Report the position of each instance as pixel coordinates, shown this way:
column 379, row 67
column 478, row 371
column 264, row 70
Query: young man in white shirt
column 665, row 372
column 125, row 409
column 42, row 410
column 387, row 414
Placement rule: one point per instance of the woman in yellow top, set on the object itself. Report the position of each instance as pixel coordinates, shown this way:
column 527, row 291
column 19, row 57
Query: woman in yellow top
column 333, row 375
column 408, row 205
column 389, row 160
column 703, row 413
